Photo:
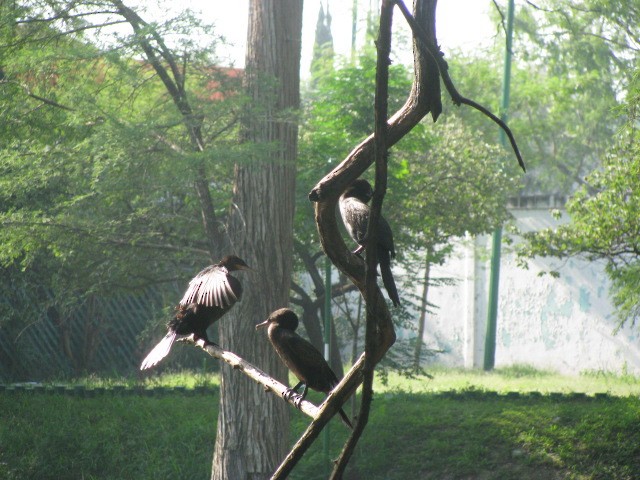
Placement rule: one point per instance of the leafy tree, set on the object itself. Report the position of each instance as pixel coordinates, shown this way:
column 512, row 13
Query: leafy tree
column 458, row 186
column 572, row 62
column 149, row 160
column 605, row 218
column 102, row 167
column 587, row 54
column 587, row 51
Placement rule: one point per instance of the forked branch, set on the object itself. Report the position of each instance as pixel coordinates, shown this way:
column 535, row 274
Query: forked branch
column 424, row 98
column 375, row 319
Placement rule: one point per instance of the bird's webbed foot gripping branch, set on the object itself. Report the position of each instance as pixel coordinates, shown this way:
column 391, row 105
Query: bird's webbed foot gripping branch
column 269, row 383
column 209, row 296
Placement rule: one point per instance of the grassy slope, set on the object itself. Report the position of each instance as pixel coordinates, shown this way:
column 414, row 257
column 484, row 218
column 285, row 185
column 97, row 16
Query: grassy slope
column 474, row 434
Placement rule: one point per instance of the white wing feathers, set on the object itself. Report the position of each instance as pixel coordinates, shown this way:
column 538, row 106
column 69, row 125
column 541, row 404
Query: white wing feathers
column 210, row 288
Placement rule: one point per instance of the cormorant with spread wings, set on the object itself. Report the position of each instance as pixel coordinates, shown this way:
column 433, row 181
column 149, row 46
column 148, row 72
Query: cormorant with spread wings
column 210, row 295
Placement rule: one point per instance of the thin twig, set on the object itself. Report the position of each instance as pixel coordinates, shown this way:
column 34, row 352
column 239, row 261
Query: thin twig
column 456, row 97
column 374, row 317
column 501, row 13
column 46, row 101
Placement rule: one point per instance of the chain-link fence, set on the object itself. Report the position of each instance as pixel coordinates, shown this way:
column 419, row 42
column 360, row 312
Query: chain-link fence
column 106, row 336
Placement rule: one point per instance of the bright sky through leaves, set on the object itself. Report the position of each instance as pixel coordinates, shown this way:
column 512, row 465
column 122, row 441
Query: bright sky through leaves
column 461, row 24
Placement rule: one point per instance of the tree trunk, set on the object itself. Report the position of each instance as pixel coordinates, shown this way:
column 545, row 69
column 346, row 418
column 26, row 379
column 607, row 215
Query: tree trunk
column 252, row 436
column 423, row 309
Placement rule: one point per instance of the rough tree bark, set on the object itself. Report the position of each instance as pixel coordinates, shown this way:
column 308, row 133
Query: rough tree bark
column 253, row 427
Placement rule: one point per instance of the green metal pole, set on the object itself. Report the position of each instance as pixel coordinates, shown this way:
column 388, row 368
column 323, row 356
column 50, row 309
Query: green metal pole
column 327, row 348
column 494, row 279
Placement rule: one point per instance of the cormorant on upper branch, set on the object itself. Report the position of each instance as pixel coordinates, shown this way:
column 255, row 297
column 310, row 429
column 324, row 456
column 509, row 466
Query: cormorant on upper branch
column 355, row 215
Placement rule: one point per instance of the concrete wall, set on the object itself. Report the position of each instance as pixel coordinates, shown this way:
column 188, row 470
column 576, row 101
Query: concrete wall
column 565, row 324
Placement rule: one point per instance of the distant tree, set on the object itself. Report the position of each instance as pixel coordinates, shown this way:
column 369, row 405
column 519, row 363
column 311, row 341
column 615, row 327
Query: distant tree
column 323, row 53
column 572, row 62
column 450, row 187
column 117, row 152
column 98, row 163
column 604, row 217
column 144, row 171
column 585, row 56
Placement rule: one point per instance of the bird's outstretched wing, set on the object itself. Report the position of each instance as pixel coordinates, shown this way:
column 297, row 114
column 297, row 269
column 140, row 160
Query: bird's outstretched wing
column 212, row 287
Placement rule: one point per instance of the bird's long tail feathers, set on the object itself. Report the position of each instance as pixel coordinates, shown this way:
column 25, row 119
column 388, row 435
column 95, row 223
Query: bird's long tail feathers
column 345, row 419
column 387, row 276
column 160, row 351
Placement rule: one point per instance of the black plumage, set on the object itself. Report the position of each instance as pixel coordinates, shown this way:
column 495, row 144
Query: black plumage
column 300, row 356
column 210, row 294
column 355, row 216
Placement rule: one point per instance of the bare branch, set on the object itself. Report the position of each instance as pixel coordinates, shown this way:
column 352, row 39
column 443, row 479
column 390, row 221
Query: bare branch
column 222, row 130
column 29, row 93
column 64, row 16
column 49, row 102
column 80, row 231
column 153, row 45
column 329, row 407
column 375, row 317
column 424, row 98
column 304, row 298
column 269, row 383
column 310, row 264
column 500, row 12
column 420, row 102
column 423, row 43
column 41, row 39
column 321, row 415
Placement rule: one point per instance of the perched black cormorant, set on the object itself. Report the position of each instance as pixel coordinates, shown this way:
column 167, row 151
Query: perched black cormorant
column 300, row 356
column 355, row 215
column 210, row 295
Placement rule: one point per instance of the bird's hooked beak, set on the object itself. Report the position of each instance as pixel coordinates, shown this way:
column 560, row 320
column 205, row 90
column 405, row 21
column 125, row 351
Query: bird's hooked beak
column 263, row 324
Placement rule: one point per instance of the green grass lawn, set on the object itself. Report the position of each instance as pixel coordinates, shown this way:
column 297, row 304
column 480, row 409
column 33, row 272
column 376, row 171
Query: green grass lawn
column 460, row 425
column 515, row 379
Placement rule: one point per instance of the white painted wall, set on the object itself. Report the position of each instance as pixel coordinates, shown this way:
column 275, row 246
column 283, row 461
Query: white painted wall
column 565, row 324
